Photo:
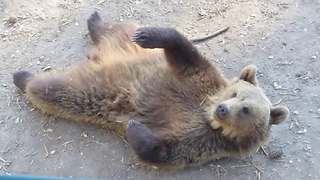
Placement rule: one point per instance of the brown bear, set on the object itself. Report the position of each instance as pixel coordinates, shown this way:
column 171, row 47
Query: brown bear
column 153, row 87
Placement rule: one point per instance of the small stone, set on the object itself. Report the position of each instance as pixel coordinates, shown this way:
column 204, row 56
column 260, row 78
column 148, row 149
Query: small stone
column 308, row 148
column 12, row 20
column 291, row 126
column 17, row 120
column 275, row 154
column 270, row 57
column 52, row 152
column 47, row 68
column 313, row 57
column 276, row 85
column 302, row 131
column 155, row 167
column 295, row 112
column 48, row 130
column 85, row 135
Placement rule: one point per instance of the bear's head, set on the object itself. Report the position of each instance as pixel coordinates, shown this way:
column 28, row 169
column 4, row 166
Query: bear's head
column 243, row 109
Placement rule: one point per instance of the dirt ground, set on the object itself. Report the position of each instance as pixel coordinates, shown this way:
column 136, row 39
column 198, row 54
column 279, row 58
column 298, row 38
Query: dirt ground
column 281, row 37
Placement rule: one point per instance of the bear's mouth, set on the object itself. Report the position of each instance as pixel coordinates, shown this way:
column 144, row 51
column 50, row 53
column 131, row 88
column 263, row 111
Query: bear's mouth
column 216, row 116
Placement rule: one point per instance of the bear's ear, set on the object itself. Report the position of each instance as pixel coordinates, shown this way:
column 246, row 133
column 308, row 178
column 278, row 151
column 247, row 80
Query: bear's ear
column 249, row 74
column 278, row 114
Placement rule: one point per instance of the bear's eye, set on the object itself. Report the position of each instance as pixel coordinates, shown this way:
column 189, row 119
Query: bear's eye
column 245, row 110
column 234, row 95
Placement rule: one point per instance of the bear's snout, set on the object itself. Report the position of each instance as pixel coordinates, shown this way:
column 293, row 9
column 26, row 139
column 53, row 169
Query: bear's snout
column 221, row 111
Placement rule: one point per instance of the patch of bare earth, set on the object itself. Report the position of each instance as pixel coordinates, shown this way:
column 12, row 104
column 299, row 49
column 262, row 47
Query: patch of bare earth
column 280, row 37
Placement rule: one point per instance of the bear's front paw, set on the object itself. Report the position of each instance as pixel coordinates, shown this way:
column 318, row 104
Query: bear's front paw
column 152, row 37
column 94, row 19
column 132, row 123
column 21, row 78
column 134, row 128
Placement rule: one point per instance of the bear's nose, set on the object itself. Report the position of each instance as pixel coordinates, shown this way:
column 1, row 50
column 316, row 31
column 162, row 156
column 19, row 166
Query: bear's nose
column 222, row 110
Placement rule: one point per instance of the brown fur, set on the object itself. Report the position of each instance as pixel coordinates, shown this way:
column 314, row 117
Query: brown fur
column 167, row 87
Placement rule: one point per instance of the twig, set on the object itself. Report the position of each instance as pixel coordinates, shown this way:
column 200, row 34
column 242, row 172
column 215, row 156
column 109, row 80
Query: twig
column 218, row 172
column 29, row 152
column 273, row 173
column 288, row 94
column 1, row 159
column 279, row 174
column 277, row 102
column 64, row 24
column 3, row 109
column 203, row 100
column 100, row 2
column 241, row 166
column 45, row 148
column 210, row 36
column 264, row 151
column 122, row 138
column 66, row 143
column 98, row 143
column 262, row 49
column 292, row 99
column 260, row 170
column 45, row 123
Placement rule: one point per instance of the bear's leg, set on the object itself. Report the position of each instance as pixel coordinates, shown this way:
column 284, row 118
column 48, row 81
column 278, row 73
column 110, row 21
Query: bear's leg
column 144, row 143
column 95, row 27
column 181, row 55
column 21, row 79
column 57, row 96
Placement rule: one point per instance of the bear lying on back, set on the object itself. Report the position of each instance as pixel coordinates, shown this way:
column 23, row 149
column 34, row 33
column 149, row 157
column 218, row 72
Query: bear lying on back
column 152, row 86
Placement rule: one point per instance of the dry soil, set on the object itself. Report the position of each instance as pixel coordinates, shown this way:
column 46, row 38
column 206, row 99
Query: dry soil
column 281, row 37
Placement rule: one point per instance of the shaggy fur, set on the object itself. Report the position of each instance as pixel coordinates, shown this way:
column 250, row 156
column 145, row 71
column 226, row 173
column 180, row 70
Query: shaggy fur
column 173, row 106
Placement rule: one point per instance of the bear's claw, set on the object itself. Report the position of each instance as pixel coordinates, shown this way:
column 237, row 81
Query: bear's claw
column 152, row 37
column 142, row 38
column 132, row 123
